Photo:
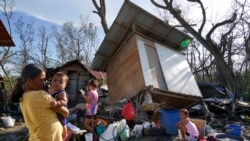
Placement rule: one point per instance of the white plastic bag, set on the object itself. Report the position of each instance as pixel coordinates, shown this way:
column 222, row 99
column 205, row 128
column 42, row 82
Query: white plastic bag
column 137, row 129
column 8, row 121
column 123, row 130
column 109, row 134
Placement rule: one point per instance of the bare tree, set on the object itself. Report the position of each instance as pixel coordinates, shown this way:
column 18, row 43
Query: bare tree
column 26, row 35
column 224, row 71
column 243, row 47
column 76, row 42
column 43, row 50
column 6, row 8
column 101, row 11
column 90, row 42
column 59, row 44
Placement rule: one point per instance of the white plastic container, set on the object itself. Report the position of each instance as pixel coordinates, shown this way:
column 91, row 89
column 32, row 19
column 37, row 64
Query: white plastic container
column 88, row 137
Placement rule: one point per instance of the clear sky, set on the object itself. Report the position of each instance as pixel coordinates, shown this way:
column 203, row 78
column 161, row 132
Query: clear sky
column 60, row 11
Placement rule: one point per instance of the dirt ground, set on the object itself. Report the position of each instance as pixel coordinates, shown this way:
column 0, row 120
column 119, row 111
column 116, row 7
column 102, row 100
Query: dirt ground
column 16, row 133
column 19, row 133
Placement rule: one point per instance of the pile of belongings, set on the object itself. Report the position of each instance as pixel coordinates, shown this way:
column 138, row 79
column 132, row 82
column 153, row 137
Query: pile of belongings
column 112, row 131
column 148, row 104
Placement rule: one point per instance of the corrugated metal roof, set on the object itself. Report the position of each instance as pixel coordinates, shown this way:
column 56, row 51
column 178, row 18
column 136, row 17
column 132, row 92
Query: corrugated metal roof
column 99, row 75
column 5, row 39
column 133, row 19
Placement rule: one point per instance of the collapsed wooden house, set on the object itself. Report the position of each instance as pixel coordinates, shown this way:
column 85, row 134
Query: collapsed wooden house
column 141, row 52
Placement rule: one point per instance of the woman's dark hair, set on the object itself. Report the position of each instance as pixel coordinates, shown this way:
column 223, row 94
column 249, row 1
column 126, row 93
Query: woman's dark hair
column 94, row 83
column 29, row 71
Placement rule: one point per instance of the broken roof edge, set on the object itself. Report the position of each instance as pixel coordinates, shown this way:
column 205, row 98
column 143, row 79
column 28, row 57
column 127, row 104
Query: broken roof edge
column 121, row 26
column 158, row 20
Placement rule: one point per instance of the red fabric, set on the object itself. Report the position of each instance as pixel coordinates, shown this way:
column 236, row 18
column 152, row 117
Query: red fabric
column 202, row 139
column 128, row 111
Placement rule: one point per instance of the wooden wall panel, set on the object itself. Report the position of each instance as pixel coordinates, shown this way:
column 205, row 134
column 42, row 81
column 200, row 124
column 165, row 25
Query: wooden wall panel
column 125, row 77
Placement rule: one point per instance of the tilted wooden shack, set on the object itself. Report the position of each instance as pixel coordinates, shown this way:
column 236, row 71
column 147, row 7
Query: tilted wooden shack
column 142, row 52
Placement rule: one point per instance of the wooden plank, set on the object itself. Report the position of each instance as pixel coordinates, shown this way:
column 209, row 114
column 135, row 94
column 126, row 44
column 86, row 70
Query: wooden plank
column 173, row 100
column 125, row 77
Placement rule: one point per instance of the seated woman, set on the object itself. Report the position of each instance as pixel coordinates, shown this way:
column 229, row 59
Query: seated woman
column 189, row 131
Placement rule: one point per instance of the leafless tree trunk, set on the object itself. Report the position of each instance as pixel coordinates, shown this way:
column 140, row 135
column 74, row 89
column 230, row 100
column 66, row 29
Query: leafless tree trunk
column 76, row 43
column 43, row 47
column 101, row 11
column 226, row 73
column 26, row 35
column 6, row 8
column 59, row 44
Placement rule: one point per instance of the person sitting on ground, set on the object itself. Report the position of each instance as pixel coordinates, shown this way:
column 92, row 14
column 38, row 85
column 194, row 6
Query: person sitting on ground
column 57, row 90
column 189, row 131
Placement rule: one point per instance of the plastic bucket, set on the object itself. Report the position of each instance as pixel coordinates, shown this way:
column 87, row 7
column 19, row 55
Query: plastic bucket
column 169, row 119
column 234, row 129
column 128, row 111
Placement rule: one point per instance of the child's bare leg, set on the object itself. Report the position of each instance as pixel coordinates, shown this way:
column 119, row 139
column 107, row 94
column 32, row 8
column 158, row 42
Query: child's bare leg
column 89, row 126
column 183, row 131
column 65, row 132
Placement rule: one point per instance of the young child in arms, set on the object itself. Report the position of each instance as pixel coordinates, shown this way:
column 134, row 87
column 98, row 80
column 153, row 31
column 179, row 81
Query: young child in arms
column 57, row 90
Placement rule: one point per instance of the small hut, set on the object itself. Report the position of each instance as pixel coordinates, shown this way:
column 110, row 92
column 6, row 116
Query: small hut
column 79, row 75
column 141, row 52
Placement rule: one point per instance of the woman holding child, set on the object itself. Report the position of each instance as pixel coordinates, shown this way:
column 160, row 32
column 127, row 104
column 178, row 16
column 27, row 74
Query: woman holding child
column 40, row 118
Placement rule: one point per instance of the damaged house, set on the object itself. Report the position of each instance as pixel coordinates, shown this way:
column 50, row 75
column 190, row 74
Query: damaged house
column 143, row 53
